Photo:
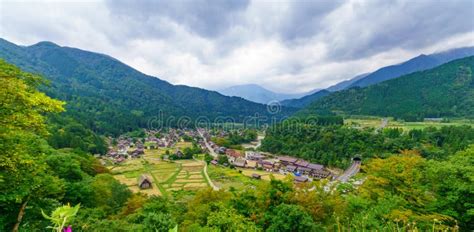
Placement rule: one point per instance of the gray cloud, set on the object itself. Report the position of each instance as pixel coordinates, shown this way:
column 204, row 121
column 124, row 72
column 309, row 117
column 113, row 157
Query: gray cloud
column 208, row 18
column 369, row 27
column 289, row 46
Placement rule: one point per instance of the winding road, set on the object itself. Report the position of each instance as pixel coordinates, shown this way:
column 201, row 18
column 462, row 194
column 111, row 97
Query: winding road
column 350, row 172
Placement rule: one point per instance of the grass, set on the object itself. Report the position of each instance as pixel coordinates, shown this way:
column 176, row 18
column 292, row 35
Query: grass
column 226, row 178
column 375, row 122
column 166, row 176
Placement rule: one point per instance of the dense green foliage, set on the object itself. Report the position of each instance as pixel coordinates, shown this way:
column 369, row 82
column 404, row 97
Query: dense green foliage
column 401, row 192
column 336, row 145
column 306, row 100
column 444, row 91
column 110, row 97
column 235, row 138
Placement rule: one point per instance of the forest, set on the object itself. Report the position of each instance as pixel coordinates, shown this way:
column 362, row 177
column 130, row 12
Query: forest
column 444, row 91
column 336, row 145
column 424, row 182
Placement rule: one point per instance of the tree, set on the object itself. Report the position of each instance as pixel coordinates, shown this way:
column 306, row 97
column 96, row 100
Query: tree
column 23, row 173
column 289, row 218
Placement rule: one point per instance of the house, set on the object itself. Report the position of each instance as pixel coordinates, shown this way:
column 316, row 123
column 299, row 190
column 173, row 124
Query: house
column 232, row 155
column 239, row 162
column 301, row 163
column 321, row 174
column 179, row 154
column 251, row 164
column 122, row 150
column 318, row 171
column 267, row 165
column 303, row 170
column 256, row 176
column 144, row 182
column 291, row 168
column 301, row 179
column 252, row 155
column 315, row 166
column 287, row 160
column 137, row 152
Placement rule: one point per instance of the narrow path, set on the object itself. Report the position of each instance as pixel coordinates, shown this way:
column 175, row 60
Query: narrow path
column 208, row 179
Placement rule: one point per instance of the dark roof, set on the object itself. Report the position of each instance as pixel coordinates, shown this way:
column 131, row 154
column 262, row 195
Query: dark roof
column 315, row 166
column 239, row 163
column 291, row 168
column 287, row 159
column 301, row 179
column 303, row 169
column 257, row 176
column 302, row 163
column 142, row 179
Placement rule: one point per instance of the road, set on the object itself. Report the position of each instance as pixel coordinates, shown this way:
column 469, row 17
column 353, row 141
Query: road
column 350, row 172
column 209, row 148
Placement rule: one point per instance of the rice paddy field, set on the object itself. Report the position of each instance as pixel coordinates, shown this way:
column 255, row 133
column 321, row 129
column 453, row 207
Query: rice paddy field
column 376, row 122
column 226, row 178
column 166, row 176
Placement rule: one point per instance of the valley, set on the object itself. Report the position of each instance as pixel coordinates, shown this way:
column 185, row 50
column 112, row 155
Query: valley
column 375, row 135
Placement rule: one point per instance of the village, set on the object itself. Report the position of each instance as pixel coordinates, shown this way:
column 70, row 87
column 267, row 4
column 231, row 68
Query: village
column 175, row 159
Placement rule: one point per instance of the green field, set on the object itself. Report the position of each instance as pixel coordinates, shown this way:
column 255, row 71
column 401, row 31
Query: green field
column 376, row 122
column 167, row 176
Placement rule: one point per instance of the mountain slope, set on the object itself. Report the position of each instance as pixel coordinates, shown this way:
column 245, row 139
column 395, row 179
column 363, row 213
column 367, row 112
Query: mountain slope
column 419, row 63
column 258, row 94
column 344, row 84
column 306, row 100
column 111, row 97
column 444, row 91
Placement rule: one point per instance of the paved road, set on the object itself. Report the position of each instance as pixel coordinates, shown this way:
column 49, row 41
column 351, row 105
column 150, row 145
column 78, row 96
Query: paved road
column 209, row 148
column 350, row 172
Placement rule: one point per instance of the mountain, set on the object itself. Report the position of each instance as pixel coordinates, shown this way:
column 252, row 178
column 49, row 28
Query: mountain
column 110, row 97
column 306, row 100
column 344, row 84
column 444, row 91
column 419, row 63
column 259, row 94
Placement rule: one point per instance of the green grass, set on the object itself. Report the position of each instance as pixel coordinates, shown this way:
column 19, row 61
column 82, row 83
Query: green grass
column 229, row 178
column 375, row 122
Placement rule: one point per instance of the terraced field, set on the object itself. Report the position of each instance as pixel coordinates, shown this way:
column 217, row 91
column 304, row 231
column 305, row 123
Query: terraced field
column 166, row 176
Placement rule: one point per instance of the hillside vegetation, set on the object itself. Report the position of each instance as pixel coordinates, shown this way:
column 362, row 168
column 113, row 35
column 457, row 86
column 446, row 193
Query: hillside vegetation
column 110, row 97
column 444, row 91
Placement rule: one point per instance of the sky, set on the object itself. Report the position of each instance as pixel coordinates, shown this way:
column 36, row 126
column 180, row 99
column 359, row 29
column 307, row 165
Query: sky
column 285, row 46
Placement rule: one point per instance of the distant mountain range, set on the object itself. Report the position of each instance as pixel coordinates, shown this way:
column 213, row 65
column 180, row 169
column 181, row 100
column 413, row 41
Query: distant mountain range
column 110, row 97
column 259, row 94
column 419, row 63
column 444, row 91
column 306, row 100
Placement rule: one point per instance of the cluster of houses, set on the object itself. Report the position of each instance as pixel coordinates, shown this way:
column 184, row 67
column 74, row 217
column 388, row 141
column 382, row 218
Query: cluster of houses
column 168, row 140
column 125, row 148
column 303, row 170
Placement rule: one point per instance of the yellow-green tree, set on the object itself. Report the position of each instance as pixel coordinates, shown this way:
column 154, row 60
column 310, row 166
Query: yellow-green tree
column 23, row 173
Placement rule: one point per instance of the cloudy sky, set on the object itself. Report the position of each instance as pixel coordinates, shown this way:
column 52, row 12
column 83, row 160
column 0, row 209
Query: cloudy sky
column 286, row 46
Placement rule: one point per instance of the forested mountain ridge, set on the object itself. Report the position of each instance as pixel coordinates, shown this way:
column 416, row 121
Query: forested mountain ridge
column 419, row 63
column 110, row 97
column 444, row 91
column 306, row 100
